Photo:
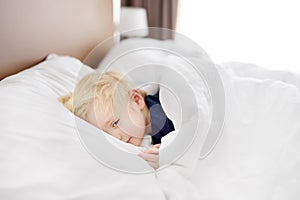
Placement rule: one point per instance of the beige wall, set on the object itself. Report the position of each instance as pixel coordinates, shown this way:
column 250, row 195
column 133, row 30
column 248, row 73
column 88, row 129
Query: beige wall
column 31, row 29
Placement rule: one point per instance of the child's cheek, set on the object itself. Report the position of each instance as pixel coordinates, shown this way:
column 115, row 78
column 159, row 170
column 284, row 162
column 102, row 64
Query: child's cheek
column 136, row 141
column 133, row 129
column 133, row 123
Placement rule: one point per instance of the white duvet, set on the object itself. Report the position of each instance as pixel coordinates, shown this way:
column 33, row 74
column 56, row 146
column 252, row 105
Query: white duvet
column 257, row 156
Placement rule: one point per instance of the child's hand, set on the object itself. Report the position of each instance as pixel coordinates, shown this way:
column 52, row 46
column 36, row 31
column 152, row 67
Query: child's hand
column 151, row 155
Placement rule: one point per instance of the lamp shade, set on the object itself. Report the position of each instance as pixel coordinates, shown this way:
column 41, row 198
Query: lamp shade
column 133, row 19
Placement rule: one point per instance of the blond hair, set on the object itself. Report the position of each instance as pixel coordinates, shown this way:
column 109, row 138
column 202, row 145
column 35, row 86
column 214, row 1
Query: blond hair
column 110, row 89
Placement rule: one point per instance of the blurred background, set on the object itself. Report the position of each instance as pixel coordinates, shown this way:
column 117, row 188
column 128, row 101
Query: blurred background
column 263, row 32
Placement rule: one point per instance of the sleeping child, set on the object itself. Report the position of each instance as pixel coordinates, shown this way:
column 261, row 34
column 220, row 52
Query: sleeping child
column 110, row 102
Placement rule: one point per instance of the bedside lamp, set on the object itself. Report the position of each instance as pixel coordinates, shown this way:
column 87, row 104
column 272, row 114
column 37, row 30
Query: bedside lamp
column 133, row 22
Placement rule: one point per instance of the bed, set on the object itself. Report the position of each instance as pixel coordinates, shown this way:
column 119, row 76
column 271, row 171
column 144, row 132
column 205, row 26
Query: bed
column 249, row 116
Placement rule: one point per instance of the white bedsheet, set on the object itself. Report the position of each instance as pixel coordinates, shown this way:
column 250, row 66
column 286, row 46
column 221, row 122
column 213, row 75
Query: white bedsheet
column 257, row 157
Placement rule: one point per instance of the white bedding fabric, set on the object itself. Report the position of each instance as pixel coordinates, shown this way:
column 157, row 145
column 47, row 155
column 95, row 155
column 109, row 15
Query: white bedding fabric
column 40, row 152
column 257, row 156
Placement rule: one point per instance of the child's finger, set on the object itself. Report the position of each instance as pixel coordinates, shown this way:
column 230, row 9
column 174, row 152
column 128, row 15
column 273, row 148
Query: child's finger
column 152, row 151
column 156, row 145
column 154, row 165
column 149, row 157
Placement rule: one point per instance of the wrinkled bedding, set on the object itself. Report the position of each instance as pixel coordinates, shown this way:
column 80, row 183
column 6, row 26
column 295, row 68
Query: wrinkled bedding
column 256, row 157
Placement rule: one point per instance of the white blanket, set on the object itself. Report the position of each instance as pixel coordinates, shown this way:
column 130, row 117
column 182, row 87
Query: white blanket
column 257, row 157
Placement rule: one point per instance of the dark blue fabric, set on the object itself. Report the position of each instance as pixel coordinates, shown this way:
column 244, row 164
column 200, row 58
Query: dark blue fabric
column 161, row 125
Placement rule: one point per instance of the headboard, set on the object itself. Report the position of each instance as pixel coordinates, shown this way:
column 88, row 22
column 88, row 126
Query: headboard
column 31, row 29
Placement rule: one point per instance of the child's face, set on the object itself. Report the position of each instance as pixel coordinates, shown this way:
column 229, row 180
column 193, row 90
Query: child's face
column 129, row 127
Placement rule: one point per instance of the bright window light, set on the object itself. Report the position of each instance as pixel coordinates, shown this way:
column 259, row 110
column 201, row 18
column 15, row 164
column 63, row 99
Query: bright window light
column 263, row 32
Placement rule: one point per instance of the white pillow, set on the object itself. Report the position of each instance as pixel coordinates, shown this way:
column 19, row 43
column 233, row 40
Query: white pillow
column 56, row 76
column 39, row 136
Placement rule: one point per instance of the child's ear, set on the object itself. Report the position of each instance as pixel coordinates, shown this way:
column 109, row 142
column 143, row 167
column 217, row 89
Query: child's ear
column 136, row 96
